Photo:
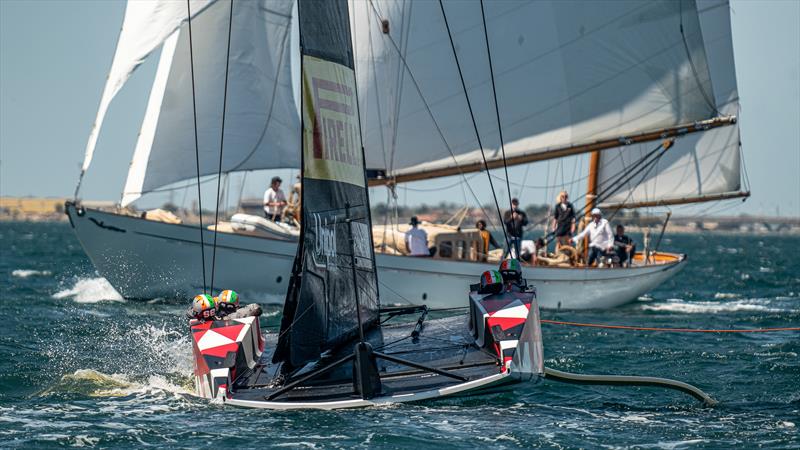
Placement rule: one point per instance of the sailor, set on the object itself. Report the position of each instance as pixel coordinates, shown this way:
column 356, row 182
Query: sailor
column 515, row 220
column 488, row 239
column 624, row 246
column 203, row 307
column 511, row 271
column 563, row 219
column 227, row 302
column 274, row 200
column 417, row 239
column 601, row 239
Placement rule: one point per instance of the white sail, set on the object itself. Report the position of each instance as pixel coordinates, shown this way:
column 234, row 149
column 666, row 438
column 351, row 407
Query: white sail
column 566, row 73
column 147, row 24
column 697, row 166
column 262, row 126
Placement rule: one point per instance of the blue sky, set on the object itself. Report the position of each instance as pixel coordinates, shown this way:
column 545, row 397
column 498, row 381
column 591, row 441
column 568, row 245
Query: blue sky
column 54, row 56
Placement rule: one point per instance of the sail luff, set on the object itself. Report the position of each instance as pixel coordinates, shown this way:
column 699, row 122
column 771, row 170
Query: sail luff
column 538, row 155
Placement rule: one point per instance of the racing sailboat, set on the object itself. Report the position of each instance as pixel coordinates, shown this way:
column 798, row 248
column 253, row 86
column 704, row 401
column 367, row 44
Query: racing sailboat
column 647, row 87
column 334, row 349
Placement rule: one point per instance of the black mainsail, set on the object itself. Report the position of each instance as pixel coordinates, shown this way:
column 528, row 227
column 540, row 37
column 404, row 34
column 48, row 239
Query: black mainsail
column 334, row 269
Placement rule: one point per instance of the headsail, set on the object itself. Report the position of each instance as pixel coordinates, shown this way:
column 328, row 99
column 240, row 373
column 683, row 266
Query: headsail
column 336, row 222
column 146, row 26
column 263, row 123
column 567, row 74
column 701, row 166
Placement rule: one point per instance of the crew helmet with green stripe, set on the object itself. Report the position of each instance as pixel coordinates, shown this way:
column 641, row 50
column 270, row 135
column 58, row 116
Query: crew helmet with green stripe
column 491, row 282
column 203, row 307
column 511, row 270
column 228, row 301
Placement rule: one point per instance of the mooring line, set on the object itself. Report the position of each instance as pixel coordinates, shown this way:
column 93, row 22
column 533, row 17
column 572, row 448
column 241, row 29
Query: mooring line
column 674, row 330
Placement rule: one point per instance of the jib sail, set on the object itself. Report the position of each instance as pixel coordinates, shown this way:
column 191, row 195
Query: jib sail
column 335, row 261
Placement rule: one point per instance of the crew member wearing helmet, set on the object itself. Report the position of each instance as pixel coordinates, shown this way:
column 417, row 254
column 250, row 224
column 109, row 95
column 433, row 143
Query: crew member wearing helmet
column 203, row 307
column 491, row 282
column 227, row 302
column 511, row 270
column 601, row 239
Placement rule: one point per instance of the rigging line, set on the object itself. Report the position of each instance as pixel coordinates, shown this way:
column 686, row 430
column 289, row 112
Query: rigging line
column 433, row 119
column 691, row 63
column 652, row 165
column 474, row 124
column 447, row 186
column 196, row 144
column 674, row 330
column 221, row 146
column 496, row 106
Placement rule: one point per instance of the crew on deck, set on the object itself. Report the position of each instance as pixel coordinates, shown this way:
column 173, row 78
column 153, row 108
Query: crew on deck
column 563, row 220
column 515, row 220
column 417, row 239
column 601, row 239
column 274, row 200
column 488, row 240
column 624, row 246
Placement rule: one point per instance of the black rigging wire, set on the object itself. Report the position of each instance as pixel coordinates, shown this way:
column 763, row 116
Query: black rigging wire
column 691, row 63
column 221, row 142
column 496, row 107
column 474, row 124
column 196, row 145
column 430, row 113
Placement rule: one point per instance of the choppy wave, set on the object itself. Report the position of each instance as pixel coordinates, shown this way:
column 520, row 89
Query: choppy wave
column 94, row 383
column 25, row 273
column 676, row 305
column 90, row 290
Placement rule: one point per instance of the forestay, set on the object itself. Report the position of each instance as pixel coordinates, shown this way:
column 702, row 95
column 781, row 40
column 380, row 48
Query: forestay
column 335, row 259
column 262, row 127
column 697, row 166
column 566, row 73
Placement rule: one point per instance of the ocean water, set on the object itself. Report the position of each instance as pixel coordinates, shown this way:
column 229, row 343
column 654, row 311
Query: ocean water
column 80, row 366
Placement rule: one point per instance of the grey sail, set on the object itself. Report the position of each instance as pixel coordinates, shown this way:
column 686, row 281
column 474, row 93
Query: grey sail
column 567, row 73
column 698, row 166
column 335, row 267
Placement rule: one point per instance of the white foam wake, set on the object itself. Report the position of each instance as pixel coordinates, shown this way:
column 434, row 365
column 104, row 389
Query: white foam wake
column 90, row 290
column 709, row 307
column 94, row 383
column 25, row 273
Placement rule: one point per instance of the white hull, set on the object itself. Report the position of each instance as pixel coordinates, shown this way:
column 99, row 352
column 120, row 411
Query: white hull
column 145, row 259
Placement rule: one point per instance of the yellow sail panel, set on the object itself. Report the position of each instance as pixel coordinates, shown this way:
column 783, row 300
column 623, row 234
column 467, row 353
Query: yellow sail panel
column 331, row 143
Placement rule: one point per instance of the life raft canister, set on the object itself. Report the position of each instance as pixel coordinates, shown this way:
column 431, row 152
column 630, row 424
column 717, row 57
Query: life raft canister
column 511, row 270
column 228, row 301
column 203, row 307
column 491, row 282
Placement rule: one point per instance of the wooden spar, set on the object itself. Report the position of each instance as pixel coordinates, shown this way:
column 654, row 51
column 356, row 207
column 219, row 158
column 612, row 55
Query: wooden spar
column 605, row 144
column 591, row 196
column 678, row 201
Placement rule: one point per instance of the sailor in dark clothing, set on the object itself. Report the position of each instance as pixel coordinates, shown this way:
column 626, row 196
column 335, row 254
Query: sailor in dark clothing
column 624, row 247
column 514, row 220
column 563, row 219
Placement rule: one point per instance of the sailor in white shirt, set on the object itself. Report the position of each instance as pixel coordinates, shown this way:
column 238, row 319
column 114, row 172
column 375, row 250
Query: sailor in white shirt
column 417, row 240
column 601, row 239
column 274, row 200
